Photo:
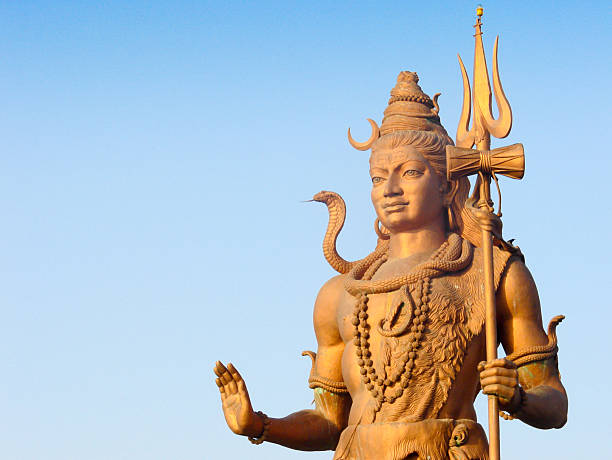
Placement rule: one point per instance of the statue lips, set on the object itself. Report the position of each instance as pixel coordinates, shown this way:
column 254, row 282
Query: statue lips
column 395, row 206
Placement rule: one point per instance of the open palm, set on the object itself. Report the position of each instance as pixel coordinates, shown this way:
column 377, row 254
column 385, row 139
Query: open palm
column 237, row 409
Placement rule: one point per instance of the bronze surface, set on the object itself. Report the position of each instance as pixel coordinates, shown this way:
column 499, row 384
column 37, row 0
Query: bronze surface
column 408, row 335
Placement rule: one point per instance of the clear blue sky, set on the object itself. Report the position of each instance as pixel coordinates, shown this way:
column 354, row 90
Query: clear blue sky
column 154, row 156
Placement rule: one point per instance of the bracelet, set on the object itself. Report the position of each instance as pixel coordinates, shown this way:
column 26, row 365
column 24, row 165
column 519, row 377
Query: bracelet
column 522, row 402
column 266, row 428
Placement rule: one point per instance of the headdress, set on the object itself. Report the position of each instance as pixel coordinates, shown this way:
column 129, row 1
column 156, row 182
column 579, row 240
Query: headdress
column 409, row 109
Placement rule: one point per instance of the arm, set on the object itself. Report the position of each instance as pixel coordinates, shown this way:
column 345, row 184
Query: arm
column 312, row 429
column 519, row 322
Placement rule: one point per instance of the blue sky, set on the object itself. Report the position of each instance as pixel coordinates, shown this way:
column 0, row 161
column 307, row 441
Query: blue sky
column 154, row 156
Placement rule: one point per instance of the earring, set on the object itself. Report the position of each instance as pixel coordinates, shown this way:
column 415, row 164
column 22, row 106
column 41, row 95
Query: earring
column 451, row 219
column 381, row 231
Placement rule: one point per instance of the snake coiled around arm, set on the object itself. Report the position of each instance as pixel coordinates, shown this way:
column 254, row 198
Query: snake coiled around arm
column 539, row 352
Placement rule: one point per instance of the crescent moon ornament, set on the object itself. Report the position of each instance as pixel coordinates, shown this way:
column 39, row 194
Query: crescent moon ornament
column 367, row 144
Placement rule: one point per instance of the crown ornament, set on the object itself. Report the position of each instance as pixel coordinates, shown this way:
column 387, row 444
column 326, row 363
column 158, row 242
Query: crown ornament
column 409, row 108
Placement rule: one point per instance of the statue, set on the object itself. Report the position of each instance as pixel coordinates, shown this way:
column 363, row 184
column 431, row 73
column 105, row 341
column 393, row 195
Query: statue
column 407, row 336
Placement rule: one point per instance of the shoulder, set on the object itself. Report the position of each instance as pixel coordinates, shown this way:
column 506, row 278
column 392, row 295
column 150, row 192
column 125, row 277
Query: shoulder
column 325, row 310
column 331, row 292
column 517, row 296
column 517, row 283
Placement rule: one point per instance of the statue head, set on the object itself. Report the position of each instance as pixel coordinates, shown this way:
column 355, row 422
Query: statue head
column 409, row 186
column 408, row 165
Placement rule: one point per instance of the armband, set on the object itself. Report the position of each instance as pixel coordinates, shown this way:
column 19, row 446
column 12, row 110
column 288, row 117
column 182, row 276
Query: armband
column 539, row 352
column 532, row 354
column 317, row 381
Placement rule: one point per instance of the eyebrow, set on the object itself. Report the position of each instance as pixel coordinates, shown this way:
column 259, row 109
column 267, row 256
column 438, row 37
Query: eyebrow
column 390, row 163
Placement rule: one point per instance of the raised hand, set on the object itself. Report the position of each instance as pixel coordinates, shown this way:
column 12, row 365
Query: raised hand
column 239, row 414
column 500, row 377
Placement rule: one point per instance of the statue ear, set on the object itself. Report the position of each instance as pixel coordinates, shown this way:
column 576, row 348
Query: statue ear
column 449, row 190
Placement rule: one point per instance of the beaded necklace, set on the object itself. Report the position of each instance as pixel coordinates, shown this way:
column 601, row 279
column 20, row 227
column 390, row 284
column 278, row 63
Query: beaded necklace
column 453, row 255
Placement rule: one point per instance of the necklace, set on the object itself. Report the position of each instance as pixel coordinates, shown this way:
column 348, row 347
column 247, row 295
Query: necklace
column 453, row 255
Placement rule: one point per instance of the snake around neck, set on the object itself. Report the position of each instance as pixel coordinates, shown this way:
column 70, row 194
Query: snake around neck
column 454, row 255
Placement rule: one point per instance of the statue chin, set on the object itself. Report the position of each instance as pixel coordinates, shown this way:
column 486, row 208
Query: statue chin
column 403, row 222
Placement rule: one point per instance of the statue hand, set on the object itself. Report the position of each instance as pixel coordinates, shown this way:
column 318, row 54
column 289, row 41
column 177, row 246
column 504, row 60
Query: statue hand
column 239, row 414
column 489, row 221
column 500, row 377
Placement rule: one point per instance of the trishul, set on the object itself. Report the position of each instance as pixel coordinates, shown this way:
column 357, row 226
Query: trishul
column 462, row 160
column 484, row 125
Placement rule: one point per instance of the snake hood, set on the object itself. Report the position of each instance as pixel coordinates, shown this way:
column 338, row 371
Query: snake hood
column 337, row 215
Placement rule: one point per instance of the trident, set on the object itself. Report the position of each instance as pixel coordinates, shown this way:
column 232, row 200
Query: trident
column 462, row 161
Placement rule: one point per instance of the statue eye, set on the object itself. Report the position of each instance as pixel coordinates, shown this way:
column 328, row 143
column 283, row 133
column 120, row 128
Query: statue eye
column 377, row 180
column 412, row 173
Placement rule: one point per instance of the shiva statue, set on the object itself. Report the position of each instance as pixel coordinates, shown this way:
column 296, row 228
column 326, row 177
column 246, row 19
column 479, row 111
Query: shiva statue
column 401, row 333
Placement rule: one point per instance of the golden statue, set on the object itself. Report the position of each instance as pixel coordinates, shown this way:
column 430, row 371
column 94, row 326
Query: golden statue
column 408, row 336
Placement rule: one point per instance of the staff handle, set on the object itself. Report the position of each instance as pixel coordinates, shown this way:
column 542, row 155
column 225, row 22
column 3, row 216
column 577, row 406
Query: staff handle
column 490, row 311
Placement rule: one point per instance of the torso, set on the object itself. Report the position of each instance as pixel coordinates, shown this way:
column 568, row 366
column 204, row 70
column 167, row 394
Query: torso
column 444, row 379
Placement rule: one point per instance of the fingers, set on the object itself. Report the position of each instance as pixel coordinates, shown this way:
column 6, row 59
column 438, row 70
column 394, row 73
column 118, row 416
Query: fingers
column 503, row 392
column 510, row 382
column 234, row 372
column 499, row 377
column 497, row 368
column 237, row 377
column 498, row 372
column 221, row 389
column 500, row 362
column 231, row 382
column 220, row 371
column 500, row 382
column 219, row 381
column 225, row 377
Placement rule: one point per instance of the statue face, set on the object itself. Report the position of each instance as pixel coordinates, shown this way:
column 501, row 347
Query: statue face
column 405, row 189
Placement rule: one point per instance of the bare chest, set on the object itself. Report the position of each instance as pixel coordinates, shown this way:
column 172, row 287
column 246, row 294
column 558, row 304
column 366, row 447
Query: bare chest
column 410, row 342
column 379, row 305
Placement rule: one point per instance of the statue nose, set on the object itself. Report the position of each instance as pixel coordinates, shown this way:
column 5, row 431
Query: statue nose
column 392, row 187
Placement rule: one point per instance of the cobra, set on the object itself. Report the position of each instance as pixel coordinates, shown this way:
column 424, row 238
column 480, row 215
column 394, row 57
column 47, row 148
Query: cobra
column 337, row 215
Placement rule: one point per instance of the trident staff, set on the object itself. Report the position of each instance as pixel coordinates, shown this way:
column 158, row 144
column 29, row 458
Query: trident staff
column 509, row 161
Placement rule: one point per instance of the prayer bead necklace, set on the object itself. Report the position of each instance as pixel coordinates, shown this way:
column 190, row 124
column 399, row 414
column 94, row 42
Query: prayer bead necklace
column 373, row 381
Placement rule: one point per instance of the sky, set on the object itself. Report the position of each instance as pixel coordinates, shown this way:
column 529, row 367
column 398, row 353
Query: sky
column 154, row 159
